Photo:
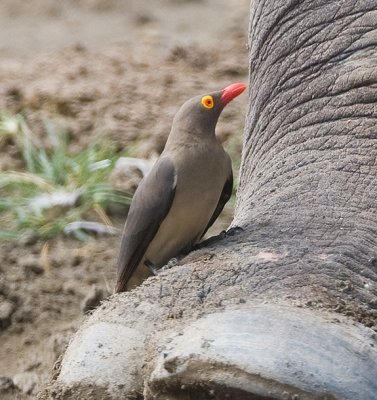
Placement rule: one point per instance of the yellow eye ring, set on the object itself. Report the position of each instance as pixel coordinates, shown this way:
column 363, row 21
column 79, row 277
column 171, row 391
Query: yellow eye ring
column 207, row 102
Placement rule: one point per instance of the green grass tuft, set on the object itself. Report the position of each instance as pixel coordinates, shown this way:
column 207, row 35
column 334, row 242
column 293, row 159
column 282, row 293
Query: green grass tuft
column 56, row 187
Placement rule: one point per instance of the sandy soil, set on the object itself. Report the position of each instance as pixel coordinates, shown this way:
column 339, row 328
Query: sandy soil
column 118, row 69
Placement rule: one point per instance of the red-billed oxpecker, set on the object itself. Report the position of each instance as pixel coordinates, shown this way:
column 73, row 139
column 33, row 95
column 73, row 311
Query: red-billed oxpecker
column 182, row 195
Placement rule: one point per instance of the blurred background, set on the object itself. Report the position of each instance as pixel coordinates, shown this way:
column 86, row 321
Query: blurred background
column 88, row 90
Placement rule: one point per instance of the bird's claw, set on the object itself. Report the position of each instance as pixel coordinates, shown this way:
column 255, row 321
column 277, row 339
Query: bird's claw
column 233, row 231
column 155, row 271
column 213, row 239
column 172, row 263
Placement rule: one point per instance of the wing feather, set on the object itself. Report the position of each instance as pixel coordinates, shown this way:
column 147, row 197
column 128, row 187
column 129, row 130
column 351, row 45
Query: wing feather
column 150, row 205
column 224, row 197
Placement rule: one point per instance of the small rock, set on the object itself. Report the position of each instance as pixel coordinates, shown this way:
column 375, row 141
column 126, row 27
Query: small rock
column 144, row 18
column 77, row 259
column 28, row 341
column 6, row 311
column 71, row 286
column 6, row 384
column 33, row 365
column 30, row 263
column 26, row 381
column 92, row 299
column 51, row 287
column 23, row 315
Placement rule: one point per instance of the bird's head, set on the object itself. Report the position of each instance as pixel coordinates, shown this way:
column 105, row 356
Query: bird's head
column 202, row 112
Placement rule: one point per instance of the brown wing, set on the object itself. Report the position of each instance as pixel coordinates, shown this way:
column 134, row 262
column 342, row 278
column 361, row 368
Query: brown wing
column 150, row 205
column 224, row 197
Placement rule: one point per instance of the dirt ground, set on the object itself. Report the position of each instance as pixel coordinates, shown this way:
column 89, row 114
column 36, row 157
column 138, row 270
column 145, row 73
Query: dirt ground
column 119, row 69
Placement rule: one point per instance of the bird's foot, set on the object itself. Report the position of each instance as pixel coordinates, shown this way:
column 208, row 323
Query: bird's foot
column 172, row 263
column 155, row 271
column 233, row 231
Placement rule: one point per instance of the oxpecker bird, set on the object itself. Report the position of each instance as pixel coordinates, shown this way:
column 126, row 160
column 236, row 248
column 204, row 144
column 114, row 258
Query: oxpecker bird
column 182, row 195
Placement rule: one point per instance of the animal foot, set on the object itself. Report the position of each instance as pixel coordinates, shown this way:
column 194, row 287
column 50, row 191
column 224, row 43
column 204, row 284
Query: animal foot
column 172, row 263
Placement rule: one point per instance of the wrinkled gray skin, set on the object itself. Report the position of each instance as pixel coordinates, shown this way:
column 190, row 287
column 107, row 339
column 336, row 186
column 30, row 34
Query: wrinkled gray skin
column 284, row 309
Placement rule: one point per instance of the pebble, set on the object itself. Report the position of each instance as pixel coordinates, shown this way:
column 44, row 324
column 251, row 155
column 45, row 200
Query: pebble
column 6, row 311
column 71, row 286
column 92, row 299
column 50, row 287
column 30, row 263
column 26, row 381
column 24, row 314
column 6, row 384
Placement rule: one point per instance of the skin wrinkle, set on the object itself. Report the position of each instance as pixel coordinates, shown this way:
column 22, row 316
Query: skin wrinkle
column 289, row 277
column 353, row 207
column 346, row 117
column 332, row 120
column 303, row 191
column 319, row 98
column 284, row 55
column 268, row 64
column 323, row 26
column 340, row 88
column 294, row 55
column 361, row 50
column 312, row 144
column 268, row 14
column 305, row 153
column 288, row 68
column 292, row 14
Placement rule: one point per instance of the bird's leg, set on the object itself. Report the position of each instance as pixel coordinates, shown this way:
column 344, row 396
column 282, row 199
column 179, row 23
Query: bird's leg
column 151, row 267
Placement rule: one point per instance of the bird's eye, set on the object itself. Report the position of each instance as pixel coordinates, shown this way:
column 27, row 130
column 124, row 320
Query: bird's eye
column 207, row 102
